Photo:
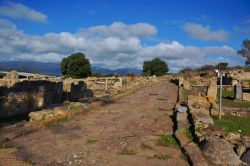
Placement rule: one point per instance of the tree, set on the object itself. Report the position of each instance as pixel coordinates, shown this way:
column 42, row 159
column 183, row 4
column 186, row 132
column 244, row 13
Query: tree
column 222, row 66
column 156, row 67
column 206, row 68
column 76, row 66
column 245, row 51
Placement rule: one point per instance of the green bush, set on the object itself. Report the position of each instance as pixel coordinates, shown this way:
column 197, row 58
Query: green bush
column 156, row 67
column 76, row 66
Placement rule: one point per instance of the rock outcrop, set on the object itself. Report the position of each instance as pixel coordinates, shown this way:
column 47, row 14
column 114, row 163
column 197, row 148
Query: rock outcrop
column 220, row 151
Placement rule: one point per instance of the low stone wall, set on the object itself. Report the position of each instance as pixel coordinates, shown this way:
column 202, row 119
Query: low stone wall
column 21, row 96
column 26, row 96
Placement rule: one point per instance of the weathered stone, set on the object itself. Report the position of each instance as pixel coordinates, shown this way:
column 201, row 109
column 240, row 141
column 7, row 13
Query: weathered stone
column 246, row 141
column 245, row 84
column 27, row 96
column 13, row 75
column 186, row 84
column 246, row 157
column 194, row 154
column 181, row 109
column 240, row 149
column 219, row 151
column 212, row 89
column 46, row 114
column 199, row 104
column 206, row 120
column 238, row 91
column 246, row 96
column 234, row 82
column 79, row 91
column 233, row 137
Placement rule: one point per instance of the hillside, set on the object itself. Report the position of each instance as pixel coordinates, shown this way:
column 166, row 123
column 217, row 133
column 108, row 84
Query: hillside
column 54, row 68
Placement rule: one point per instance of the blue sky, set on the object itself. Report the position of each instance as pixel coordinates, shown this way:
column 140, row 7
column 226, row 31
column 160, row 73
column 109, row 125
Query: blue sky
column 117, row 34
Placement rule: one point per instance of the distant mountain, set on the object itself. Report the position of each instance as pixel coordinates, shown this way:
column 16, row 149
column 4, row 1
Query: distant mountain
column 123, row 71
column 54, row 68
column 32, row 67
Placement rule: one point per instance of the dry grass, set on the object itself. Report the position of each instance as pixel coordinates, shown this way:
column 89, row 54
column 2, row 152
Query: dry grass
column 51, row 122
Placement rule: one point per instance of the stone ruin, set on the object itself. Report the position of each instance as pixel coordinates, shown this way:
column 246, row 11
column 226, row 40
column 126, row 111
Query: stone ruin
column 24, row 95
column 27, row 96
column 21, row 96
column 215, row 144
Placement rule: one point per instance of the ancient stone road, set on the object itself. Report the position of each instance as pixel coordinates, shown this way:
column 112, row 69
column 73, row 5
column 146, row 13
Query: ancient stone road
column 121, row 133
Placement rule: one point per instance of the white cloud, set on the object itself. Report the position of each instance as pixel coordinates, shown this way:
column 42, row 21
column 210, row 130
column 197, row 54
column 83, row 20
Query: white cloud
column 224, row 50
column 20, row 11
column 197, row 31
column 121, row 30
column 115, row 46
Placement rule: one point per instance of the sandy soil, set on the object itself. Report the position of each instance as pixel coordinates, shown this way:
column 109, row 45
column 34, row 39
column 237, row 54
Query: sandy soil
column 110, row 135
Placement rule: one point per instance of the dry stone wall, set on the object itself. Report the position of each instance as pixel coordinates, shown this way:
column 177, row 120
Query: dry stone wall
column 21, row 96
column 27, row 96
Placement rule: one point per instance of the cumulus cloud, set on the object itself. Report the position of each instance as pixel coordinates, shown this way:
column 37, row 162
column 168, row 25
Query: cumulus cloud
column 197, row 31
column 20, row 11
column 224, row 50
column 114, row 46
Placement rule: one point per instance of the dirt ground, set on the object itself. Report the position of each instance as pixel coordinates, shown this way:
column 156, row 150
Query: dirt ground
column 122, row 133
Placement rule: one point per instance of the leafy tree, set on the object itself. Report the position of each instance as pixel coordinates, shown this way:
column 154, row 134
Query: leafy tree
column 222, row 66
column 206, row 68
column 245, row 51
column 156, row 67
column 76, row 66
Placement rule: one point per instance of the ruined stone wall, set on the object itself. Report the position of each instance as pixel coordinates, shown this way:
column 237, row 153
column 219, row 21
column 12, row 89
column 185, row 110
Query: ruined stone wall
column 238, row 74
column 27, row 96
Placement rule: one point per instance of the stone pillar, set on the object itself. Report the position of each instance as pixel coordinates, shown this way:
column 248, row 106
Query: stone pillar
column 106, row 85
column 212, row 88
column 238, row 91
column 120, row 80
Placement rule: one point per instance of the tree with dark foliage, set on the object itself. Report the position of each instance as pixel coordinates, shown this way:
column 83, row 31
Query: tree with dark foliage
column 221, row 66
column 206, row 67
column 76, row 66
column 156, row 67
column 245, row 51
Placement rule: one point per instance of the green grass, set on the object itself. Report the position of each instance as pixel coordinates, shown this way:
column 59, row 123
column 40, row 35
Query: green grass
column 248, row 81
column 76, row 107
column 185, row 132
column 92, row 141
column 234, row 124
column 126, row 151
column 146, row 146
column 166, row 140
column 227, row 100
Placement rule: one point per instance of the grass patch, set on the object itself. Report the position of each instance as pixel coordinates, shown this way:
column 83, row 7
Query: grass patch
column 146, row 146
column 126, row 151
column 52, row 122
column 166, row 140
column 234, row 124
column 186, row 132
column 163, row 156
column 6, row 145
column 75, row 107
column 92, row 141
